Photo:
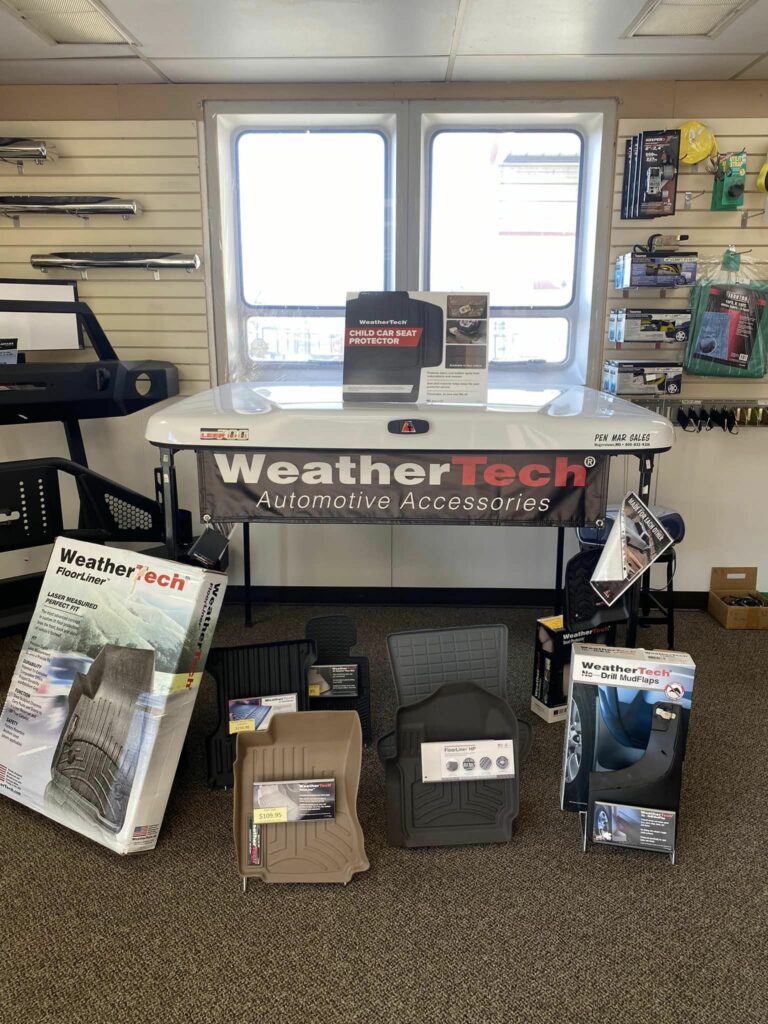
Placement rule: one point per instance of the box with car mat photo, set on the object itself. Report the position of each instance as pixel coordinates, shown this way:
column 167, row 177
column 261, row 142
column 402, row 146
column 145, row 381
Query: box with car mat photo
column 99, row 704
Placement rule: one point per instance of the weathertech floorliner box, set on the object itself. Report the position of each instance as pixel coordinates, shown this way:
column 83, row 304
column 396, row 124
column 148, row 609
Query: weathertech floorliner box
column 103, row 690
column 552, row 664
column 416, row 347
column 612, row 733
column 734, row 599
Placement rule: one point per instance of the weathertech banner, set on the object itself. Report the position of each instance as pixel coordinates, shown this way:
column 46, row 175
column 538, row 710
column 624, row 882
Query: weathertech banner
column 491, row 489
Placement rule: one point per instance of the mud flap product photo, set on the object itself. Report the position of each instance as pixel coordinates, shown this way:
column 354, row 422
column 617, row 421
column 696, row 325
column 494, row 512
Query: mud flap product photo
column 416, row 347
column 104, row 688
column 628, row 716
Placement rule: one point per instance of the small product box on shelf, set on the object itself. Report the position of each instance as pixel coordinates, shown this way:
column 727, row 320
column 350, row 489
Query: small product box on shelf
column 657, row 270
column 552, row 664
column 639, row 326
column 629, row 377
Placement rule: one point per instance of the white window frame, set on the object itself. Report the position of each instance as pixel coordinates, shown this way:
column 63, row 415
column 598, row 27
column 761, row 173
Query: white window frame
column 410, row 125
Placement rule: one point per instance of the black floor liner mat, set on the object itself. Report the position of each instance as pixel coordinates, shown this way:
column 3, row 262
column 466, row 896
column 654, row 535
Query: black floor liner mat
column 450, row 813
column 424, row 659
column 334, row 637
column 252, row 670
column 95, row 761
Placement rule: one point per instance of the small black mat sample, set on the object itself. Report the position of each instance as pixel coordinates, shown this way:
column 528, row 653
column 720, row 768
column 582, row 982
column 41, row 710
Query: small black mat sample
column 252, row 670
column 450, row 813
column 334, row 637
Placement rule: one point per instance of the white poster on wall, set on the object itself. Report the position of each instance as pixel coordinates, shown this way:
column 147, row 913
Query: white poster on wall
column 38, row 331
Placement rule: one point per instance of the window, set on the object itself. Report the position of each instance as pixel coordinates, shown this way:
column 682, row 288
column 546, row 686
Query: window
column 312, row 225
column 503, row 217
column 338, row 196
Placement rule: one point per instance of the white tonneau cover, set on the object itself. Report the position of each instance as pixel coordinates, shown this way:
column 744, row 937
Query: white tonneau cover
column 244, row 415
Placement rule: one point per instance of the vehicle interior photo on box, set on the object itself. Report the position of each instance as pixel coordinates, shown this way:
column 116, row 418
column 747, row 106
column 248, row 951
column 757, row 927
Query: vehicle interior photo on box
column 383, row 408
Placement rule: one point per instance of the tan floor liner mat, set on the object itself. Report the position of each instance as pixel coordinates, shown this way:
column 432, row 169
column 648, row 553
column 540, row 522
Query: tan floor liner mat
column 302, row 745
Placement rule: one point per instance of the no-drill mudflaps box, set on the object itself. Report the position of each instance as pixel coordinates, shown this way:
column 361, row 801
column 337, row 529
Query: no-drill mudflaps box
column 103, row 691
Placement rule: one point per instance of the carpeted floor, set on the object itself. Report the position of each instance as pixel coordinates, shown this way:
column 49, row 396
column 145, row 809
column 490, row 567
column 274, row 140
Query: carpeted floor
column 531, row 932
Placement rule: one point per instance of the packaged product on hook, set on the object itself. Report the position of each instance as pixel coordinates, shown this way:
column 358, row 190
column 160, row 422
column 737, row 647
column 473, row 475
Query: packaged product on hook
column 728, row 335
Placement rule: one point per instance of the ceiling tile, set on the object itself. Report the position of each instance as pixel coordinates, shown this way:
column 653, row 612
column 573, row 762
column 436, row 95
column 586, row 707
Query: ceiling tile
column 758, row 70
column 590, row 67
column 593, row 27
column 331, row 69
column 79, row 71
column 17, row 41
column 289, row 28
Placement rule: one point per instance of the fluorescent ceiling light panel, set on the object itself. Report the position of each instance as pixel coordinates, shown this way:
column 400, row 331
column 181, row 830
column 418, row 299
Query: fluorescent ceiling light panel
column 685, row 17
column 69, row 21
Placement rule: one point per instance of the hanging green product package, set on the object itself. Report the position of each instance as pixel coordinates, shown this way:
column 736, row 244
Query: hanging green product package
column 729, row 328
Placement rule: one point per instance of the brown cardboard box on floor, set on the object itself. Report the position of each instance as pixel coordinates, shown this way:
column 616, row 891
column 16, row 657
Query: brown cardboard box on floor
column 727, row 581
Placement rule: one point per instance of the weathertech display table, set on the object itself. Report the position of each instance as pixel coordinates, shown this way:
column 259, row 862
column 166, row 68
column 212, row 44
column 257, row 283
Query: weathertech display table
column 293, row 454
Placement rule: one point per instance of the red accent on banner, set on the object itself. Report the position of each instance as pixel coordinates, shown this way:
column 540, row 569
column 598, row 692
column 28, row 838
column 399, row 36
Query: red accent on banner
column 382, row 337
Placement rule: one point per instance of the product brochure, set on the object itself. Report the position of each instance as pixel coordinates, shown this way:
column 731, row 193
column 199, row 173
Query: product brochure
column 429, row 347
column 253, row 714
column 107, row 677
column 467, row 762
column 643, row 828
column 636, row 540
column 333, row 681
column 295, row 800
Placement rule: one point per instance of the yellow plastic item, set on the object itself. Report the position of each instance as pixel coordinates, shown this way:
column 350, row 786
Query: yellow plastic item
column 697, row 142
column 762, row 178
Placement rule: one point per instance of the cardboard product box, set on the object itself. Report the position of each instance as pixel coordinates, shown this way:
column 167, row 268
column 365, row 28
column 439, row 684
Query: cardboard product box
column 613, row 695
column 654, row 325
column 660, row 270
column 103, row 691
column 734, row 583
column 632, row 377
column 552, row 664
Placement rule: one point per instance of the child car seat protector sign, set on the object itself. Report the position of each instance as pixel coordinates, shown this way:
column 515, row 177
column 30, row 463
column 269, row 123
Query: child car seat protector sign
column 416, row 347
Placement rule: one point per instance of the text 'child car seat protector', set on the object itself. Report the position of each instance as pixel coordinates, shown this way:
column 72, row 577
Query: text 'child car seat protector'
column 252, row 670
column 397, row 365
column 334, row 637
column 316, row 745
column 450, row 813
column 95, row 761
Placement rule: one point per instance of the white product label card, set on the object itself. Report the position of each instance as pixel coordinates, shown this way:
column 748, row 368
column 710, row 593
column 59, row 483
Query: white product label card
column 468, row 761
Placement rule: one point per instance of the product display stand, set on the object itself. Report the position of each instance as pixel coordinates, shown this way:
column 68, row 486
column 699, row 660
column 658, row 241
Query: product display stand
column 585, row 838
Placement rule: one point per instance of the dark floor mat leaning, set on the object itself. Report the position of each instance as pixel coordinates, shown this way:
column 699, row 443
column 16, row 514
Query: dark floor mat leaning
column 252, row 670
column 334, row 637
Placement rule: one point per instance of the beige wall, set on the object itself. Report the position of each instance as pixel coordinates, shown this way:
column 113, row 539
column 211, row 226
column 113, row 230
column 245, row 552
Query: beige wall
column 151, row 155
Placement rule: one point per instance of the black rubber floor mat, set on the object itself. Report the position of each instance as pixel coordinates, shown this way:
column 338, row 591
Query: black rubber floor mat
column 583, row 609
column 424, row 659
column 450, row 813
column 94, row 764
column 320, row 745
column 334, row 637
column 252, row 670
column 653, row 781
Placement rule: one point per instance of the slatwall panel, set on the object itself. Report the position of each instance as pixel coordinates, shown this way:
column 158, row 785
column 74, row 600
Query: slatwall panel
column 710, row 233
column 154, row 162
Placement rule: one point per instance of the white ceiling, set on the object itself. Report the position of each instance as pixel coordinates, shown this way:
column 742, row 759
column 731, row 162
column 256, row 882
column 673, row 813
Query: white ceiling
column 383, row 40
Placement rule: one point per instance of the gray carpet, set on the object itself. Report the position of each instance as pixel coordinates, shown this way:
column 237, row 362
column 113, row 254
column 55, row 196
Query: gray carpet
column 532, row 931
